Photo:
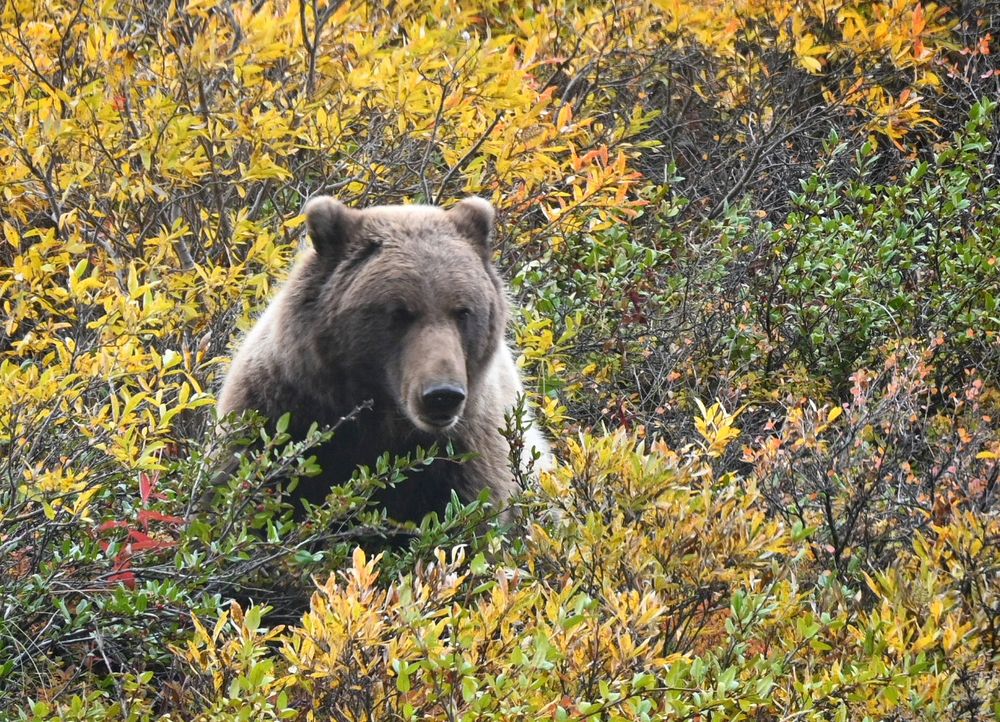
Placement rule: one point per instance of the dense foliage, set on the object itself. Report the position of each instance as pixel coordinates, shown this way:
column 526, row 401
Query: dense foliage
column 754, row 245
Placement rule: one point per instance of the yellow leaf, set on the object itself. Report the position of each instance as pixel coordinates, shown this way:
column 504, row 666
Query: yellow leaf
column 84, row 499
column 929, row 78
column 926, row 641
column 12, row 236
column 937, row 608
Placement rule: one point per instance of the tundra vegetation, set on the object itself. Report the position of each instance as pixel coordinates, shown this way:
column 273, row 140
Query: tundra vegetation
column 755, row 246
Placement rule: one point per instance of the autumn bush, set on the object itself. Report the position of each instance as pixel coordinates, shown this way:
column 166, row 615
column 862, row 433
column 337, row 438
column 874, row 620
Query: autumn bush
column 754, row 249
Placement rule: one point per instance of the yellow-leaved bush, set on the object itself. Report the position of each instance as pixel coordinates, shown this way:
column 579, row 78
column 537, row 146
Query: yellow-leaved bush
column 659, row 592
column 153, row 162
column 906, row 35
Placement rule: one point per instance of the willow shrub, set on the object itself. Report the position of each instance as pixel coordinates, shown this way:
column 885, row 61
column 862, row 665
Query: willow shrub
column 660, row 590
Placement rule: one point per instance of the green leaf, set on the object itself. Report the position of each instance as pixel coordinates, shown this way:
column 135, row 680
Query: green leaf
column 281, row 426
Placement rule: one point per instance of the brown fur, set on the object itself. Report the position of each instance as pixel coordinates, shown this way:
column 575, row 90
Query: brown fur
column 391, row 305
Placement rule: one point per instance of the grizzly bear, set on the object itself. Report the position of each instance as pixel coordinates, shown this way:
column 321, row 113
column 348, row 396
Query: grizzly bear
column 402, row 309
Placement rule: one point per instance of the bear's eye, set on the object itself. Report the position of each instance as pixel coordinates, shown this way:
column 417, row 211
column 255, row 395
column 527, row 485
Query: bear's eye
column 401, row 315
column 463, row 314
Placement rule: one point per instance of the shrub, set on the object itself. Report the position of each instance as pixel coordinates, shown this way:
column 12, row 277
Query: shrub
column 785, row 208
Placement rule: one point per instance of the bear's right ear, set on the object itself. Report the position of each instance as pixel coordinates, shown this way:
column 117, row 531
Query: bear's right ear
column 474, row 218
column 331, row 225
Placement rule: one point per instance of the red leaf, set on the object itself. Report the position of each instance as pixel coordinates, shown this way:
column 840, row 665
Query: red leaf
column 147, row 487
column 123, row 570
column 112, row 525
column 148, row 515
column 126, row 577
column 141, row 542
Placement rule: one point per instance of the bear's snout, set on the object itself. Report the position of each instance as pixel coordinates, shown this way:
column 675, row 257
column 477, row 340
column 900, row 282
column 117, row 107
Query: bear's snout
column 441, row 404
column 433, row 382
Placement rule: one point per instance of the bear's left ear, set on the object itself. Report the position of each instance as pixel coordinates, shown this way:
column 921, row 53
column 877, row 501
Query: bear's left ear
column 331, row 225
column 474, row 219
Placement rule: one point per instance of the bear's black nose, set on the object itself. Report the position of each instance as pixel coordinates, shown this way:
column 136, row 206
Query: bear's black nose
column 441, row 402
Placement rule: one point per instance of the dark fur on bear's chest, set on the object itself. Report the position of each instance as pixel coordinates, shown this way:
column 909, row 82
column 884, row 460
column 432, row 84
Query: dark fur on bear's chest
column 359, row 440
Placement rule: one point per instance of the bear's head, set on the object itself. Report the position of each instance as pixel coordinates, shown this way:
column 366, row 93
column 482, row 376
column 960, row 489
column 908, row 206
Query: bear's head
column 408, row 304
